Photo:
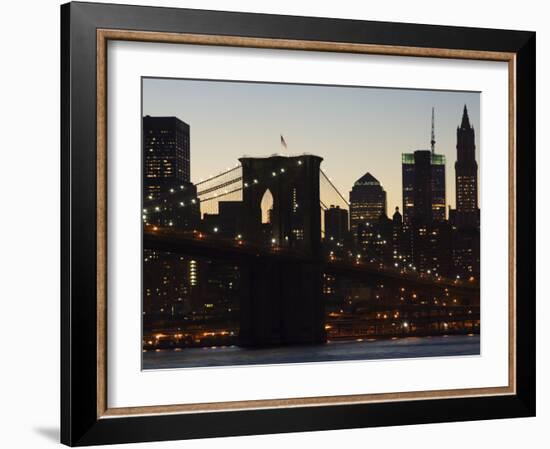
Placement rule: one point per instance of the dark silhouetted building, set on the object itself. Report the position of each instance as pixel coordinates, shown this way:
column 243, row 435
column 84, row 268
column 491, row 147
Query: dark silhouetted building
column 466, row 252
column 227, row 222
column 422, row 188
column 465, row 218
column 400, row 241
column 467, row 212
column 374, row 240
column 439, row 197
column 424, row 193
column 367, row 202
column 336, row 224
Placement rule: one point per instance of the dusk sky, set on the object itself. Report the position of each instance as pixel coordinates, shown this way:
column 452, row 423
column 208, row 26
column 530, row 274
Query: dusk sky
column 355, row 129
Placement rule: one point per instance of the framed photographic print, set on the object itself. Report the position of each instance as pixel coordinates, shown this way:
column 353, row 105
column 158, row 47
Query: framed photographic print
column 277, row 224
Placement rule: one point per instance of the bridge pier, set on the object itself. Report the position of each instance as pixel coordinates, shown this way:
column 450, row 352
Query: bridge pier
column 282, row 304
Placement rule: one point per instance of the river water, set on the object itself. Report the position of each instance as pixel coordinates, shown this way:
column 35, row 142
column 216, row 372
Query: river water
column 409, row 347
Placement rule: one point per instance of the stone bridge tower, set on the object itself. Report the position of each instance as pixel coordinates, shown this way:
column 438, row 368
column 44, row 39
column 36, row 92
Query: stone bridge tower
column 283, row 303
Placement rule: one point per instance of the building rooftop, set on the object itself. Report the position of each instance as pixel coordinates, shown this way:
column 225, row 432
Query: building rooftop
column 437, row 159
column 367, row 180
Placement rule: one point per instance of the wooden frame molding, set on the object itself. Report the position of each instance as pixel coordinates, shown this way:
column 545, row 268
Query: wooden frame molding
column 106, row 35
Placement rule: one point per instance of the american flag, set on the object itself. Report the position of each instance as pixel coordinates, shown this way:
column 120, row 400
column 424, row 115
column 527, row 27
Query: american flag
column 283, row 143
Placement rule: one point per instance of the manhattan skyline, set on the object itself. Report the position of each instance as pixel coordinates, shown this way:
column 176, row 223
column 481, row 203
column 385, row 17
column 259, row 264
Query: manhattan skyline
column 355, row 129
column 267, row 253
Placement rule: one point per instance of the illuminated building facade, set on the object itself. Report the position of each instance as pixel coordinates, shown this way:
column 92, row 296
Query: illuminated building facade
column 367, row 202
column 166, row 155
column 169, row 198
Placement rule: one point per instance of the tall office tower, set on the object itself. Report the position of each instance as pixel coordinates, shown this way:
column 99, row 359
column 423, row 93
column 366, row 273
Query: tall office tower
column 367, row 202
column 166, row 155
column 467, row 212
column 437, row 182
column 422, row 188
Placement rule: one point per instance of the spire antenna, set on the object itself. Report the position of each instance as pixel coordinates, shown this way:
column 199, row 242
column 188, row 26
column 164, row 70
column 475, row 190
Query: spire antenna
column 432, row 142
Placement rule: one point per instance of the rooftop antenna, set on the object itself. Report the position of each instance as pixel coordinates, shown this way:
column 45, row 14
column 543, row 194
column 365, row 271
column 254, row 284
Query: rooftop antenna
column 432, row 142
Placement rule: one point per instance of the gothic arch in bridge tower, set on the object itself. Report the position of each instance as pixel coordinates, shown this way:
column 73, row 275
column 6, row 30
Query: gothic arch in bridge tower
column 266, row 205
column 286, row 178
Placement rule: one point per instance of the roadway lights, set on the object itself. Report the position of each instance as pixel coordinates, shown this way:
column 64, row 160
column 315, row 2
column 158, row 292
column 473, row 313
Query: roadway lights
column 182, row 203
column 282, row 170
column 273, row 174
column 215, row 229
column 299, row 162
column 255, row 181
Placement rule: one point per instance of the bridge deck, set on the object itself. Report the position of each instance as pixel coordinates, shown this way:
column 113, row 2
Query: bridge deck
column 201, row 245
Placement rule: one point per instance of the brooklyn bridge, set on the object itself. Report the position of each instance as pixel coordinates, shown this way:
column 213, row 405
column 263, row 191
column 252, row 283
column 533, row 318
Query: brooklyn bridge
column 286, row 258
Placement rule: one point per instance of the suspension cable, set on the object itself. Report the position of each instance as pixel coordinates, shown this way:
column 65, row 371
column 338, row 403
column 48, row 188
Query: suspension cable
column 334, row 187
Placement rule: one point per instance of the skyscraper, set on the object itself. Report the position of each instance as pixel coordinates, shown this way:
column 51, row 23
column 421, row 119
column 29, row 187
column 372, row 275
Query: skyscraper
column 467, row 212
column 367, row 201
column 415, row 173
column 422, row 187
column 169, row 198
column 166, row 155
column 465, row 218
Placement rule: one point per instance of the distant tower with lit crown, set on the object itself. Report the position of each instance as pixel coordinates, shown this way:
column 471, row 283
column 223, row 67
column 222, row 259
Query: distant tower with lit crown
column 467, row 212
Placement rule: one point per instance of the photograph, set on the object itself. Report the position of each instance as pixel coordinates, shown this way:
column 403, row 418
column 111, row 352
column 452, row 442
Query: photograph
column 286, row 221
column 301, row 223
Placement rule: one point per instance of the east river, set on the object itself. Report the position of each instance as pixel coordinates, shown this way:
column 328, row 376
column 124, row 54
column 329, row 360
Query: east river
column 398, row 348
